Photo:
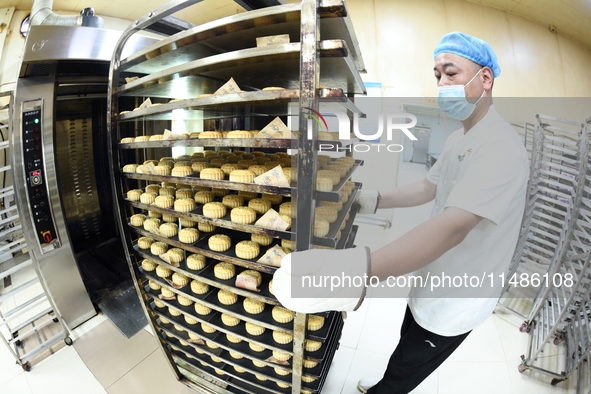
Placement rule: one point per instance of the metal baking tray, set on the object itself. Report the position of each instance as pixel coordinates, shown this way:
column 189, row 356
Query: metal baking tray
column 191, row 375
column 245, row 363
column 265, row 319
column 252, row 67
column 229, row 256
column 238, row 143
column 317, row 385
column 249, row 103
column 194, row 362
column 348, row 230
column 351, row 240
column 207, row 276
column 240, row 186
column 183, row 269
column 196, row 181
column 232, row 377
column 349, row 207
column 225, row 222
column 240, row 31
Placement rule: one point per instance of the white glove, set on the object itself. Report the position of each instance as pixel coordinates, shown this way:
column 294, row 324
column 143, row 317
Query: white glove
column 315, row 280
column 368, row 199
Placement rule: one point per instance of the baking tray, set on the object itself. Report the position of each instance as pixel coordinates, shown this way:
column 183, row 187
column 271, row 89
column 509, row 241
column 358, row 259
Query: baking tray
column 232, row 377
column 265, row 319
column 195, row 328
column 247, row 103
column 225, row 222
column 235, row 231
column 183, row 269
column 195, row 180
column 252, row 67
column 348, row 207
column 190, row 372
column 206, row 275
column 348, row 230
column 246, row 363
column 214, row 319
column 317, row 385
column 319, row 373
column 241, row 186
column 351, row 240
column 201, row 248
column 241, row 30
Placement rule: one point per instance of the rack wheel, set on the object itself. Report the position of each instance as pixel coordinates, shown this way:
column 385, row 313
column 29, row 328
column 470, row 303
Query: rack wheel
column 521, row 368
column 523, row 327
column 68, row 341
column 55, row 320
column 555, row 381
column 27, row 366
column 18, row 343
column 557, row 340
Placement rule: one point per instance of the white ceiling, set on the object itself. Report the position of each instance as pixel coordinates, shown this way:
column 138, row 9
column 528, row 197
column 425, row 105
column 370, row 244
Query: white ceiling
column 571, row 17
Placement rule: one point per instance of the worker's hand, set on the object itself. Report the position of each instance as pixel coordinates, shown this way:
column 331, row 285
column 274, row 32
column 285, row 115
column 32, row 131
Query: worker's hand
column 368, row 199
column 319, row 280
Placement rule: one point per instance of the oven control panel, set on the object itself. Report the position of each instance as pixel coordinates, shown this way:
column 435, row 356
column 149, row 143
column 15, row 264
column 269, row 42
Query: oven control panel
column 33, row 163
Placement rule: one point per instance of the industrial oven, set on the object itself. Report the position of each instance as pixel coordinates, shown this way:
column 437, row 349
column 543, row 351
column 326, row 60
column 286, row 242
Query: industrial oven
column 61, row 172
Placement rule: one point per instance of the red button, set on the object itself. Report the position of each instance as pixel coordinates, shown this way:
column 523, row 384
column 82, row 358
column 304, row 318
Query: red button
column 47, row 236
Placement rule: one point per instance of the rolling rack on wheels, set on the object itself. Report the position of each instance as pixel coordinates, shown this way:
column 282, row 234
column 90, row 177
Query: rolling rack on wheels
column 565, row 287
column 558, row 160
column 21, row 325
column 181, row 199
column 582, row 322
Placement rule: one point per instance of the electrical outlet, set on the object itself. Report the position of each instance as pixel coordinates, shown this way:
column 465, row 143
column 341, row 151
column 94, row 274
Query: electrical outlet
column 430, row 101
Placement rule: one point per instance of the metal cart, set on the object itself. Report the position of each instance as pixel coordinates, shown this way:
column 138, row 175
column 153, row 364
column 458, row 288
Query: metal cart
column 24, row 322
column 556, row 315
column 558, row 160
column 204, row 350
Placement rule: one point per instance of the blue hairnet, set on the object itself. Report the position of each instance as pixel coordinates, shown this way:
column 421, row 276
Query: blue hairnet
column 471, row 48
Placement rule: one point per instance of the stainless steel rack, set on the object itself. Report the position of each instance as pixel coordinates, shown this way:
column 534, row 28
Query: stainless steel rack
column 557, row 237
column 558, row 162
column 323, row 50
column 21, row 325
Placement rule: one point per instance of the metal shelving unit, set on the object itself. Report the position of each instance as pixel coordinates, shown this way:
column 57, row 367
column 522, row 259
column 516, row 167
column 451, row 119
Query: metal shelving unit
column 323, row 50
column 23, row 323
column 557, row 236
column 558, row 161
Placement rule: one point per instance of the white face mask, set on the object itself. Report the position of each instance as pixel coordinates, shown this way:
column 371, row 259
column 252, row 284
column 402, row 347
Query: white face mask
column 452, row 100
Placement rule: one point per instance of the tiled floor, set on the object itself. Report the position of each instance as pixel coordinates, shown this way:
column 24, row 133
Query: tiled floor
column 103, row 361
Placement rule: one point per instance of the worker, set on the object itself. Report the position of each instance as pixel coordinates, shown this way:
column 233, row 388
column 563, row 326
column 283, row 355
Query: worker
column 479, row 186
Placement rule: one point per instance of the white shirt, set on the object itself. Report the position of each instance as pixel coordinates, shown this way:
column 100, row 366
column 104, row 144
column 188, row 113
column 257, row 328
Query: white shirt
column 485, row 172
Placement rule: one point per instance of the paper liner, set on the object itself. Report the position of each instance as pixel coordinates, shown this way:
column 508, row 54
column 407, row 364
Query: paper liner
column 272, row 40
column 275, row 129
column 147, row 103
column 247, row 282
column 274, row 177
column 166, row 257
column 149, row 168
column 275, row 361
column 196, row 341
column 176, row 286
column 229, row 87
column 273, row 256
column 272, row 220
